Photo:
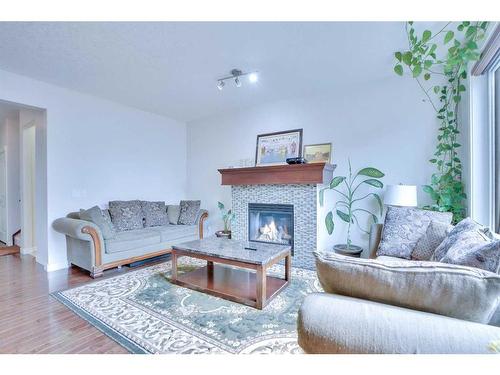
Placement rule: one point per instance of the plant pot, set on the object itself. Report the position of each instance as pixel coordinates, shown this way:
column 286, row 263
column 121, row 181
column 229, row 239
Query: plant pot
column 352, row 250
column 222, row 234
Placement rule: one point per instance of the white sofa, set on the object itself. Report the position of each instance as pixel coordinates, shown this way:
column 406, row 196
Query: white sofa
column 332, row 323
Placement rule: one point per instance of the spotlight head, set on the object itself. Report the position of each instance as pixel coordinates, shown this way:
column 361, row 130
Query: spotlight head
column 253, row 77
column 220, row 85
column 237, row 82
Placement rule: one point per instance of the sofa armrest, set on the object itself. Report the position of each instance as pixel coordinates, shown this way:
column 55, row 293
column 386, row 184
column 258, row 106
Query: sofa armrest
column 374, row 240
column 200, row 220
column 75, row 228
column 83, row 230
column 329, row 323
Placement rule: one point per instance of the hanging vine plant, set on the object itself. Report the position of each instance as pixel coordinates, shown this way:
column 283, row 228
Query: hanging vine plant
column 439, row 63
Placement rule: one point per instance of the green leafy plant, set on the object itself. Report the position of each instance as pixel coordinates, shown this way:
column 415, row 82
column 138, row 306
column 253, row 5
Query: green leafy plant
column 495, row 346
column 227, row 217
column 439, row 63
column 346, row 208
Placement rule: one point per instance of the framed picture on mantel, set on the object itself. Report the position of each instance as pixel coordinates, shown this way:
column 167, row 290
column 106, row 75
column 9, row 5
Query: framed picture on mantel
column 275, row 148
column 319, row 153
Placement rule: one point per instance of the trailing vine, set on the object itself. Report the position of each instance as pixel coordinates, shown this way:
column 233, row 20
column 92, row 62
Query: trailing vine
column 440, row 71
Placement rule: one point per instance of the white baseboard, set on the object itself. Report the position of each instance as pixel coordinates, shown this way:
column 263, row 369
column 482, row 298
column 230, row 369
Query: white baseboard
column 28, row 250
column 55, row 266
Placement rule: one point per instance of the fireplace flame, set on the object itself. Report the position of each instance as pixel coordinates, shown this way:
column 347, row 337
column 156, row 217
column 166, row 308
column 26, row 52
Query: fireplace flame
column 271, row 233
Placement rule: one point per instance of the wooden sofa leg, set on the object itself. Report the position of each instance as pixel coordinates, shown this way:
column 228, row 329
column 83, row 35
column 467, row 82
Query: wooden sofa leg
column 96, row 272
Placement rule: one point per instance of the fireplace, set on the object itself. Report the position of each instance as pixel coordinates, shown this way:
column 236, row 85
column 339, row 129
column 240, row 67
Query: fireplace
column 272, row 223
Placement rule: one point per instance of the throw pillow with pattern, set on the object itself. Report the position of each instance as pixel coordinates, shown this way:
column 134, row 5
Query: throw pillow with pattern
column 189, row 212
column 427, row 244
column 126, row 215
column 155, row 213
column 403, row 227
column 485, row 256
column 466, row 234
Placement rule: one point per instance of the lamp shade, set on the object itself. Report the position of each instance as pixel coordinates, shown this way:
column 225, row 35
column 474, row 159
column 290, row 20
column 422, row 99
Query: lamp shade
column 401, row 195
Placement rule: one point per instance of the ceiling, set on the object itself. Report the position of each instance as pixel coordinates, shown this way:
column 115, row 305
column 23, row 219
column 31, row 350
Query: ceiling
column 171, row 68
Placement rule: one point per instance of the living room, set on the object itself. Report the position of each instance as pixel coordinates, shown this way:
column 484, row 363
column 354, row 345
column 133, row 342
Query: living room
column 249, row 187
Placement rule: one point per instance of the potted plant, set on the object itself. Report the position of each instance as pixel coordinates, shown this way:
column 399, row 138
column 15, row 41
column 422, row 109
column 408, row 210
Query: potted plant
column 346, row 208
column 227, row 218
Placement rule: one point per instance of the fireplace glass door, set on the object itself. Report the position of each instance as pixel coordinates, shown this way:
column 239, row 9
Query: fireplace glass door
column 270, row 223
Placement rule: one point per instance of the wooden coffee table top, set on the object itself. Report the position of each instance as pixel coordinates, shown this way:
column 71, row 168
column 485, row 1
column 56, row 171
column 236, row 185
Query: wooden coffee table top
column 235, row 250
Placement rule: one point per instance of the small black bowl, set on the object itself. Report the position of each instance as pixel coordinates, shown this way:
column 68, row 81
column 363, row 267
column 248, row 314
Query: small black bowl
column 299, row 160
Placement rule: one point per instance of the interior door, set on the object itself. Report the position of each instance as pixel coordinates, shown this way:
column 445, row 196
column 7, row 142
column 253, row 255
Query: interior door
column 3, row 197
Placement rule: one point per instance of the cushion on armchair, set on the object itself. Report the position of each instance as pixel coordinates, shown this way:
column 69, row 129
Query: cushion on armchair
column 403, row 227
column 435, row 234
column 485, row 256
column 465, row 235
column 451, row 290
column 126, row 215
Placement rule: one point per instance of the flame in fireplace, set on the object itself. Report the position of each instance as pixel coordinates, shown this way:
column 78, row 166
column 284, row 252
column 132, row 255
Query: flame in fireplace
column 271, row 233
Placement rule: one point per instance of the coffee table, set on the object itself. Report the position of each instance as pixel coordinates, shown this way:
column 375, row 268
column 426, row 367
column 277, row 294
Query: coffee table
column 228, row 273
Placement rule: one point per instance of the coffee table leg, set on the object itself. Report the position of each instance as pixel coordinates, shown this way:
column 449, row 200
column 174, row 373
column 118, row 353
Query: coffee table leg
column 210, row 269
column 288, row 267
column 174, row 266
column 261, row 287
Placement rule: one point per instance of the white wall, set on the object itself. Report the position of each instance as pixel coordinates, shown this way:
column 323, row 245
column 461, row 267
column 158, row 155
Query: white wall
column 385, row 125
column 9, row 137
column 95, row 151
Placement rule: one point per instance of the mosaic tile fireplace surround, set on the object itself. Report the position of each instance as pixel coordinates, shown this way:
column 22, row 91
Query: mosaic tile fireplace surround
column 303, row 198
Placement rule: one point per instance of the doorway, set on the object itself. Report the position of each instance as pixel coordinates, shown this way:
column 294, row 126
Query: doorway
column 3, row 196
column 28, row 165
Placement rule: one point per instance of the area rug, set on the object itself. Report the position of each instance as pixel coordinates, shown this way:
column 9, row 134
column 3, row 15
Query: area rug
column 145, row 313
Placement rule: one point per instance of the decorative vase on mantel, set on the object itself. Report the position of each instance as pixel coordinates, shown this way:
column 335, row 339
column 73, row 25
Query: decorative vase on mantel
column 223, row 234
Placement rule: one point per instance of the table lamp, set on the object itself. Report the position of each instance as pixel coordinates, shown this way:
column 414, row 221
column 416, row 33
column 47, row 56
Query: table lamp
column 401, row 195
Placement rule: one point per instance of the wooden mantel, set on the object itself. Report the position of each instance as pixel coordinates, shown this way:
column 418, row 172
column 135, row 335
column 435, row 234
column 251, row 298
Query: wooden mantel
column 313, row 173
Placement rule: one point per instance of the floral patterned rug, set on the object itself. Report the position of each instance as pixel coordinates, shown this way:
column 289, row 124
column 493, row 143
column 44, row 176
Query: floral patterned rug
column 145, row 313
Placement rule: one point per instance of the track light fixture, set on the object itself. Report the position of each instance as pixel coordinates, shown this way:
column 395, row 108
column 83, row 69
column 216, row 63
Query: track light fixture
column 236, row 75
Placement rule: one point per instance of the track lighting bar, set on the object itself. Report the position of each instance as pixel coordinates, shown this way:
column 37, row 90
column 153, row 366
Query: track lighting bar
column 236, row 75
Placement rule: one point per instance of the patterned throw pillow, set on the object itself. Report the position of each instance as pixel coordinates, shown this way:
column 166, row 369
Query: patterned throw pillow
column 466, row 235
column 427, row 244
column 155, row 213
column 173, row 212
column 189, row 211
column 485, row 256
column 126, row 215
column 403, row 227
column 101, row 219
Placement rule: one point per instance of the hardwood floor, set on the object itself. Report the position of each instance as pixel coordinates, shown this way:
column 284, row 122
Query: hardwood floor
column 33, row 322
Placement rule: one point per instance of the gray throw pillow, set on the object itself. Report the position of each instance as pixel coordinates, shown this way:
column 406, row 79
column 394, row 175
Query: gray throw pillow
column 101, row 219
column 403, row 227
column 173, row 212
column 126, row 215
column 189, row 211
column 427, row 244
column 466, row 234
column 155, row 213
column 485, row 256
